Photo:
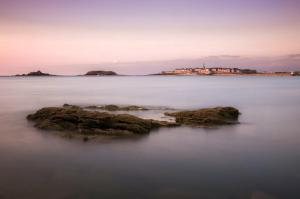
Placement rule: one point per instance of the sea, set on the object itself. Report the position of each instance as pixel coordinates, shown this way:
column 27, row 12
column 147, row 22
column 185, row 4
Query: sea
column 259, row 158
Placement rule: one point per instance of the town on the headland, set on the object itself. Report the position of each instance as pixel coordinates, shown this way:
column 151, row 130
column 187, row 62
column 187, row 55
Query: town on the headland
column 224, row 71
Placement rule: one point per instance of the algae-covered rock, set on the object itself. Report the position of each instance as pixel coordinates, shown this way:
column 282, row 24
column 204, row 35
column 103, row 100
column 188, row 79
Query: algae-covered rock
column 207, row 116
column 80, row 121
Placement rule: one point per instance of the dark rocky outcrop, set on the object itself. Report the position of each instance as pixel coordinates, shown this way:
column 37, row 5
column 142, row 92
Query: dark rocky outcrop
column 80, row 122
column 37, row 73
column 83, row 122
column 207, row 116
column 100, row 73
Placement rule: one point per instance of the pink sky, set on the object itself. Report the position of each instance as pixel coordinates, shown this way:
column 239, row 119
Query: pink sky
column 64, row 36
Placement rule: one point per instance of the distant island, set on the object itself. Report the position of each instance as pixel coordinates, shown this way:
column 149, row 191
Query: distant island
column 224, row 71
column 90, row 73
column 100, row 73
column 37, row 73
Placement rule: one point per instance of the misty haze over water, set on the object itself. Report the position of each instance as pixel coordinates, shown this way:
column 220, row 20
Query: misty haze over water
column 259, row 158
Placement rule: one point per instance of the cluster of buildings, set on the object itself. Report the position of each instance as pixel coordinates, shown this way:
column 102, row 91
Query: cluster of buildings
column 209, row 71
column 295, row 73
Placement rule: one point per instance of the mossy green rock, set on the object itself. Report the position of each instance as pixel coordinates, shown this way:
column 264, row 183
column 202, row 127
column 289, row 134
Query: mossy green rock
column 207, row 116
column 80, row 121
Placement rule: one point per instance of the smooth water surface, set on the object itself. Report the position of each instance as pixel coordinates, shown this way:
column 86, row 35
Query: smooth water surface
column 257, row 159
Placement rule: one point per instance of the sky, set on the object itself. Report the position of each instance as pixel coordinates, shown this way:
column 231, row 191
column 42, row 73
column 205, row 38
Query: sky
column 73, row 36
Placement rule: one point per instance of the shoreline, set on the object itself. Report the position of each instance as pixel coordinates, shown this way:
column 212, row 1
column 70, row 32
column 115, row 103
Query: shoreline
column 227, row 75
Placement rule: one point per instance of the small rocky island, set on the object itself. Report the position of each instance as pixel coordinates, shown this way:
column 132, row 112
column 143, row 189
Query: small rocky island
column 100, row 73
column 37, row 73
column 84, row 123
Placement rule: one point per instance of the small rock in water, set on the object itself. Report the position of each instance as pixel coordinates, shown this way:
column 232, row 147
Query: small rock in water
column 207, row 116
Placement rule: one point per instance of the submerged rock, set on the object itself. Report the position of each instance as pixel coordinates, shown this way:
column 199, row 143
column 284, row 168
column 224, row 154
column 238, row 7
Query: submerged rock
column 134, row 108
column 207, row 116
column 83, row 122
column 70, row 106
column 112, row 107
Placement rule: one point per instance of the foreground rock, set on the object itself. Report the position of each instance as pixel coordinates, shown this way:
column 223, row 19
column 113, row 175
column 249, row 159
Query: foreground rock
column 79, row 121
column 100, row 73
column 207, row 116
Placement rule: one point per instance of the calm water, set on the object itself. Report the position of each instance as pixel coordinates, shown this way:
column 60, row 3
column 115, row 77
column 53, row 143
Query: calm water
column 258, row 159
